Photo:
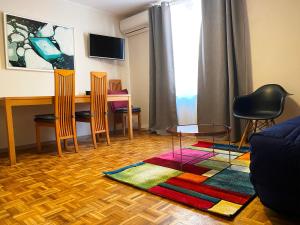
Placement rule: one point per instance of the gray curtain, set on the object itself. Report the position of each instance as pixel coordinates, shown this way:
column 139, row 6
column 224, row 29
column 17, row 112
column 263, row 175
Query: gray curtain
column 224, row 61
column 162, row 110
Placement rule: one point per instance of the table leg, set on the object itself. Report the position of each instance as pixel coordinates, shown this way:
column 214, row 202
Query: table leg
column 213, row 140
column 228, row 132
column 180, row 144
column 173, row 146
column 213, row 144
column 10, row 132
column 130, row 131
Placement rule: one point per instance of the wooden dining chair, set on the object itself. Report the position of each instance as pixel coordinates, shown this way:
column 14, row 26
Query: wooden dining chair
column 115, row 84
column 63, row 119
column 120, row 109
column 97, row 116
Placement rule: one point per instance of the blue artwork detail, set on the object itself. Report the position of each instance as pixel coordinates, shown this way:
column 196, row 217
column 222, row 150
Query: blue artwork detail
column 45, row 48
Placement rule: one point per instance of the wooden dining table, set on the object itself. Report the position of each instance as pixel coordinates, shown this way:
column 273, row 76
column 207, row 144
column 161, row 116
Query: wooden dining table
column 9, row 102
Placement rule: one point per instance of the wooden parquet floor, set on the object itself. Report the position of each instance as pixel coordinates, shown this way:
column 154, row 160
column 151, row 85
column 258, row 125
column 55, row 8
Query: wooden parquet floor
column 45, row 189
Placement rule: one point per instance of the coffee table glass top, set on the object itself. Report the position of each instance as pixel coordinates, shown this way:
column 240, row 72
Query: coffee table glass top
column 199, row 129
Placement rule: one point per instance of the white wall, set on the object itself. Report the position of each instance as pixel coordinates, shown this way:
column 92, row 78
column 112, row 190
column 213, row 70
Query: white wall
column 139, row 73
column 30, row 83
column 275, row 47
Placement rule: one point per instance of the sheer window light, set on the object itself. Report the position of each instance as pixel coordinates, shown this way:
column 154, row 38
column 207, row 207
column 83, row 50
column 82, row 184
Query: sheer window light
column 186, row 22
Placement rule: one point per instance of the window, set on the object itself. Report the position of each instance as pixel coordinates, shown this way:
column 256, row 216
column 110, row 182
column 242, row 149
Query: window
column 186, row 22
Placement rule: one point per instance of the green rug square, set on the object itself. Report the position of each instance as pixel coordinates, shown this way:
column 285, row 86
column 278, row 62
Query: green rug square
column 213, row 164
column 146, row 175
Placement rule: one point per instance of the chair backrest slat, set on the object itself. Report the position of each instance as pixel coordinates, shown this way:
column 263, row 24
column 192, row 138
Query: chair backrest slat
column 99, row 99
column 64, row 100
column 115, row 85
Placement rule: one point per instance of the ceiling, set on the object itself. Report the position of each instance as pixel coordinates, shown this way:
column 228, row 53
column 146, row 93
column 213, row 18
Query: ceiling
column 120, row 8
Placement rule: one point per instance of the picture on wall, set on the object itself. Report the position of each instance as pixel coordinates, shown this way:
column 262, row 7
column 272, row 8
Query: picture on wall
column 36, row 45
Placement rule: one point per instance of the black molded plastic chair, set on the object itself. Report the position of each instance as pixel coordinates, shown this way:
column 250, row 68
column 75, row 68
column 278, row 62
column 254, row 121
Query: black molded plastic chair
column 265, row 104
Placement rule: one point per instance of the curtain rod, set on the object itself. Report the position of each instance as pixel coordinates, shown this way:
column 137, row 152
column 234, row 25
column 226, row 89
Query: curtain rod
column 171, row 2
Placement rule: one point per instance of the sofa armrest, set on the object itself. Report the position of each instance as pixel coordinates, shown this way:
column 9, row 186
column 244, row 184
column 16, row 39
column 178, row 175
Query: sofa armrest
column 274, row 161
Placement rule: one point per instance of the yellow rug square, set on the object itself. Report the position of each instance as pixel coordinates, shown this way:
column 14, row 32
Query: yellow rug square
column 210, row 173
column 240, row 162
column 225, row 208
column 223, row 157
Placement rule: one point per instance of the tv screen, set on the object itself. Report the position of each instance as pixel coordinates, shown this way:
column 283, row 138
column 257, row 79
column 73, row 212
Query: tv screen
column 106, row 47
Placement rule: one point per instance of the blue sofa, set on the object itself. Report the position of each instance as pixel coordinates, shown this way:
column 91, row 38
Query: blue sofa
column 275, row 166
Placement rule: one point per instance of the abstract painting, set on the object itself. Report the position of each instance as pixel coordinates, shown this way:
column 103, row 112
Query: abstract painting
column 36, row 45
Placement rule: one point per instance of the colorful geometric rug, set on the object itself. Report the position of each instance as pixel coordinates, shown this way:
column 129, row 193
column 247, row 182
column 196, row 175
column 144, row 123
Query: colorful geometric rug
column 208, row 182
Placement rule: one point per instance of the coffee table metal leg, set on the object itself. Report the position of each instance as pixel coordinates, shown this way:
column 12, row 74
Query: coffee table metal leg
column 173, row 146
column 180, row 143
column 213, row 140
column 213, row 144
column 228, row 133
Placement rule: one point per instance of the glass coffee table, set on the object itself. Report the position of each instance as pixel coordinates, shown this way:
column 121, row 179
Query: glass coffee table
column 200, row 130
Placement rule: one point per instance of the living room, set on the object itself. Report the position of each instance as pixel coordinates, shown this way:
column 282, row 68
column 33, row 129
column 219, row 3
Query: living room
column 175, row 144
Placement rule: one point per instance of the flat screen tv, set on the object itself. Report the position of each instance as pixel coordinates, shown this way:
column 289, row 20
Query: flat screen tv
column 107, row 47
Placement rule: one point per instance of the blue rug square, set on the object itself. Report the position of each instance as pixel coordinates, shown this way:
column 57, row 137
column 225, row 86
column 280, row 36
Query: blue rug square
column 230, row 179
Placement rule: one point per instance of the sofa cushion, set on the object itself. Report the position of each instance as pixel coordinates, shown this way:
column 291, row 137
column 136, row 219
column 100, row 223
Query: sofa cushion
column 289, row 131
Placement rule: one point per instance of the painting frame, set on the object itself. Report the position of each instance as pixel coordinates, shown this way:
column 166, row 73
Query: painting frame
column 11, row 67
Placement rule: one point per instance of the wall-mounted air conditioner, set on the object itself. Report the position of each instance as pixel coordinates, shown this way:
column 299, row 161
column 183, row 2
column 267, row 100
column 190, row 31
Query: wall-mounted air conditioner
column 136, row 24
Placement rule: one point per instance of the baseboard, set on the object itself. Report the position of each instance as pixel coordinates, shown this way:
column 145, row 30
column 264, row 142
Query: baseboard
column 24, row 147
column 33, row 145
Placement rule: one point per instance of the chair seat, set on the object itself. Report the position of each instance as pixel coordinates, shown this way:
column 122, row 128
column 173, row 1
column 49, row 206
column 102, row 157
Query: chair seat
column 262, row 115
column 125, row 109
column 83, row 114
column 48, row 118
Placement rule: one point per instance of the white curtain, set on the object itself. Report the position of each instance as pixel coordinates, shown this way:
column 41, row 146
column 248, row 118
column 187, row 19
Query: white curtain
column 186, row 22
